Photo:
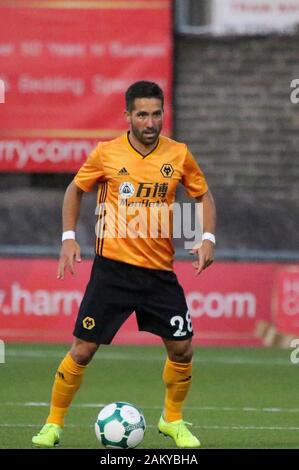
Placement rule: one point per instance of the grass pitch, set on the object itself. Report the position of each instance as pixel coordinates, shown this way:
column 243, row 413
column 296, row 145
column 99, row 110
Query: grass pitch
column 240, row 398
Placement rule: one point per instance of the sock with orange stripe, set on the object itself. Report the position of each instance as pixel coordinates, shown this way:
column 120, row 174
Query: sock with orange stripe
column 68, row 379
column 177, row 378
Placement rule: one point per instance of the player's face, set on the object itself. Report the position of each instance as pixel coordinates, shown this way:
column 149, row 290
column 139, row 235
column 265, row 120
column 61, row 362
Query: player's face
column 146, row 120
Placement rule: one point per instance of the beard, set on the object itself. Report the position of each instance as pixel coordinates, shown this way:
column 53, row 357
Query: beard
column 147, row 136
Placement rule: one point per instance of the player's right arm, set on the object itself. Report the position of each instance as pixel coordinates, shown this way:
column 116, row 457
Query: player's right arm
column 90, row 173
column 70, row 249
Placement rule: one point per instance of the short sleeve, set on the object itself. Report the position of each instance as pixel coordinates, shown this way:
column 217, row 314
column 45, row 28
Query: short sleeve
column 91, row 172
column 193, row 178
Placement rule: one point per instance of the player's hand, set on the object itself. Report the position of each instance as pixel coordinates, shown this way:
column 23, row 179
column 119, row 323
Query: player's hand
column 205, row 253
column 69, row 255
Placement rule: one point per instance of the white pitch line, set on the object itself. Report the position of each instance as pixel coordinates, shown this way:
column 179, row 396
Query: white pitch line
column 232, row 427
column 246, row 409
column 249, row 428
column 119, row 356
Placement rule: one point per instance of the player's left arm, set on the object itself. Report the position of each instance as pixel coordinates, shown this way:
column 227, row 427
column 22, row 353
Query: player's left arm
column 196, row 186
column 205, row 251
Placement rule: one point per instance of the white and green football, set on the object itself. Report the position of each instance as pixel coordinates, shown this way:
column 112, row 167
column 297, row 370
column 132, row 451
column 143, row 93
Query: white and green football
column 120, row 425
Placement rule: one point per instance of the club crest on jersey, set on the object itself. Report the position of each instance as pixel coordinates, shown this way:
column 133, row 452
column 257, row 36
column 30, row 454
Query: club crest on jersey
column 167, row 170
column 126, row 190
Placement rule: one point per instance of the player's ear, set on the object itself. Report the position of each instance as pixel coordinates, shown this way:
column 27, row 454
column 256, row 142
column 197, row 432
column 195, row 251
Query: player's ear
column 127, row 116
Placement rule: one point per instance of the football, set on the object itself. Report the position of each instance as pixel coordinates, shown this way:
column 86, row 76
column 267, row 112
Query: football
column 120, row 425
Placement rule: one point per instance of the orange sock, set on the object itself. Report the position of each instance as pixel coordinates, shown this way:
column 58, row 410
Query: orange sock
column 177, row 378
column 68, row 379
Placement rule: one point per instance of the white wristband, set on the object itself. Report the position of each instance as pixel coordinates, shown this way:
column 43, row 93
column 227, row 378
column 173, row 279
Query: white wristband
column 209, row 236
column 68, row 235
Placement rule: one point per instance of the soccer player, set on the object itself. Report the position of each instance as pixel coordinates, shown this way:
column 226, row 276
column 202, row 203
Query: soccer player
column 138, row 170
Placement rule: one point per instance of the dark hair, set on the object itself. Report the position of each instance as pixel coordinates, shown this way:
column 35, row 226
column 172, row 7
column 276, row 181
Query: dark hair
column 143, row 89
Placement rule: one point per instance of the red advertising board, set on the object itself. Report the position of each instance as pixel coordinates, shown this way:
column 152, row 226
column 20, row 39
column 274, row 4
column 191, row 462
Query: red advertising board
column 229, row 303
column 286, row 300
column 66, row 66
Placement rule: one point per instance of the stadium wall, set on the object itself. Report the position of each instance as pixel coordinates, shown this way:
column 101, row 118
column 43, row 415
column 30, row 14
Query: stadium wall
column 233, row 107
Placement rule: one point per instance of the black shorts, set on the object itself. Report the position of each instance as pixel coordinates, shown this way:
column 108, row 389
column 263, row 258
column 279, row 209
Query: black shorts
column 117, row 289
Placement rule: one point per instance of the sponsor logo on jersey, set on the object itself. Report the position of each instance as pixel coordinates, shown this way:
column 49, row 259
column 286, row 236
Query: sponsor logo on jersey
column 126, row 190
column 152, row 190
column 123, row 171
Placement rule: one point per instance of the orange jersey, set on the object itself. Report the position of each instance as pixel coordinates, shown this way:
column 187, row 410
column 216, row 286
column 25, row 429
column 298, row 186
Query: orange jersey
column 135, row 196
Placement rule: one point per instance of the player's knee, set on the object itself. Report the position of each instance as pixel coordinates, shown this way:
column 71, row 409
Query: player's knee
column 81, row 356
column 181, row 354
column 82, row 352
